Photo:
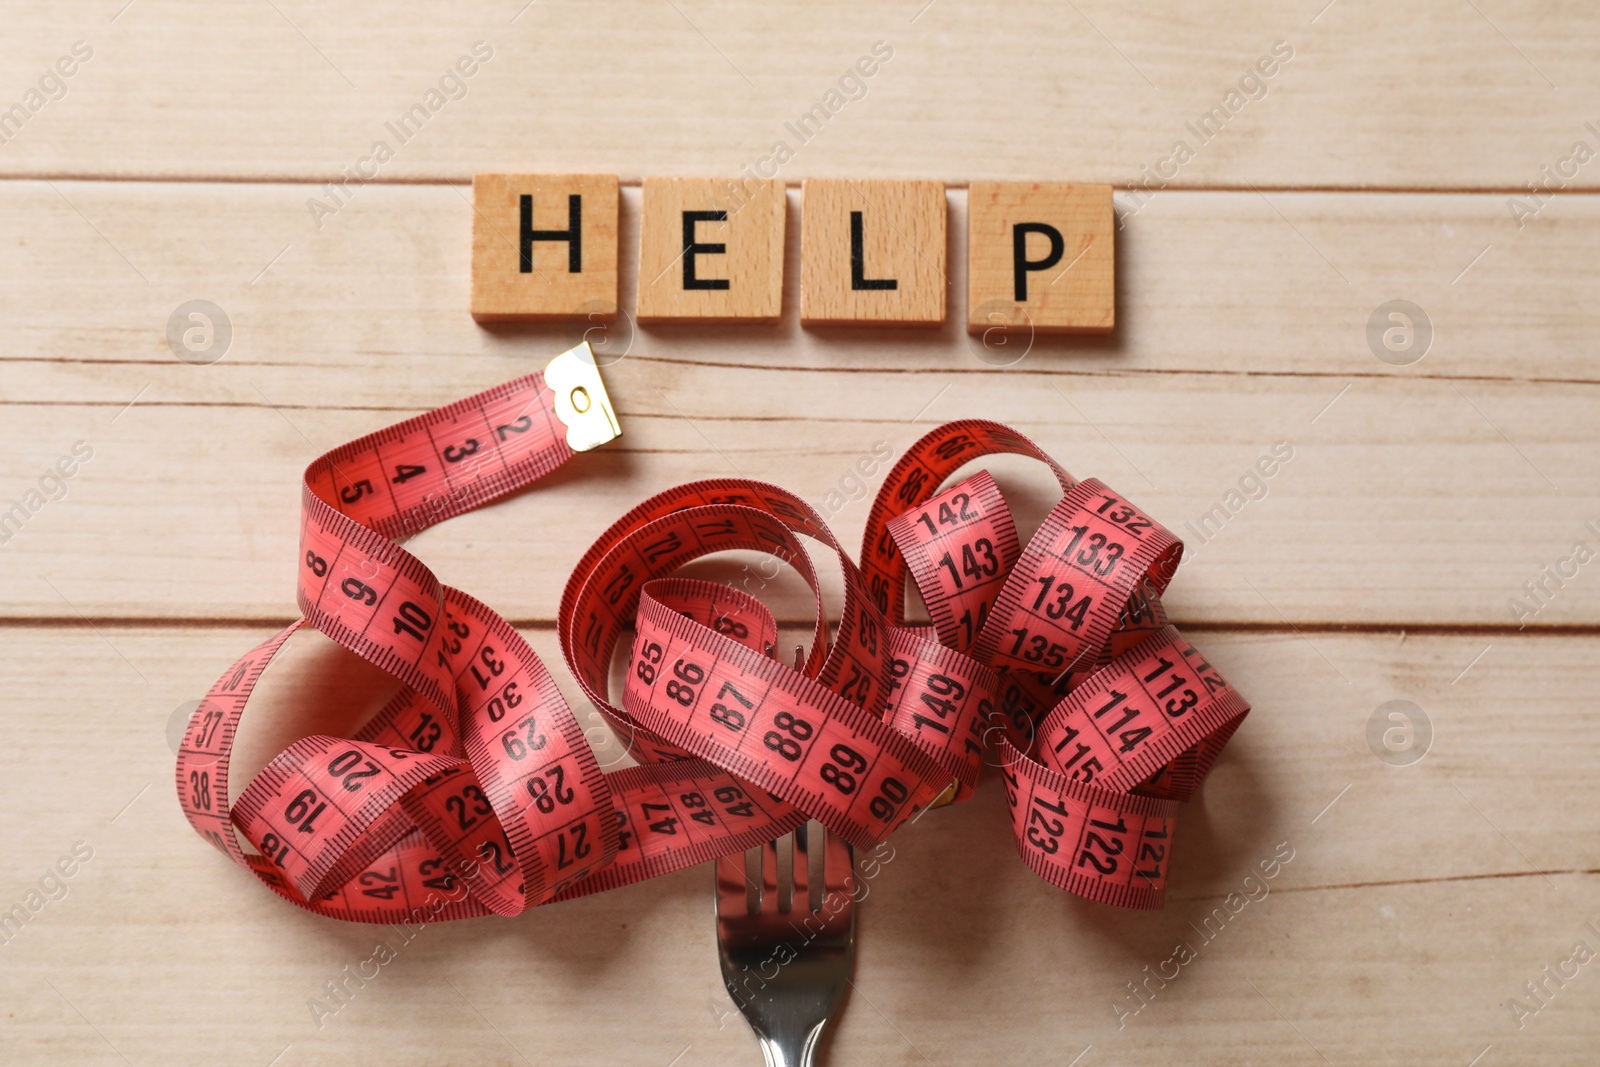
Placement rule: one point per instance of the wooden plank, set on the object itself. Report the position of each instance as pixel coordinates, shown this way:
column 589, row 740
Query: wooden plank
column 1408, row 914
column 1402, row 503
column 1447, row 95
column 1231, row 283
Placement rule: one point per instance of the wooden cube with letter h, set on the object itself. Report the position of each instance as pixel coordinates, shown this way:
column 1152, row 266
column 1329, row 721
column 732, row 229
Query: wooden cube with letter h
column 1041, row 256
column 544, row 247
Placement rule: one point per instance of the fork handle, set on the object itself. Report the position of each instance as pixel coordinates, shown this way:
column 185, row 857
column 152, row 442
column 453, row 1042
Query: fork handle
column 791, row 1048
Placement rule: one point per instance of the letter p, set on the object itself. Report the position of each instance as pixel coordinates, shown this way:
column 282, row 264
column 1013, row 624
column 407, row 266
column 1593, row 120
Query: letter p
column 1021, row 264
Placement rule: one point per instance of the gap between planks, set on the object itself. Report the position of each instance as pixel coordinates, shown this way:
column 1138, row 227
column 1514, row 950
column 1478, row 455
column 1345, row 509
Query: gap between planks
column 1407, row 629
column 1053, row 372
column 638, row 180
column 1336, row 887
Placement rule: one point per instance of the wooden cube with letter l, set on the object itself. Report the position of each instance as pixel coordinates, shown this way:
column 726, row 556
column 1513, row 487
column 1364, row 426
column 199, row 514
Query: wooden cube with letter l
column 544, row 247
column 711, row 250
column 1042, row 256
column 872, row 253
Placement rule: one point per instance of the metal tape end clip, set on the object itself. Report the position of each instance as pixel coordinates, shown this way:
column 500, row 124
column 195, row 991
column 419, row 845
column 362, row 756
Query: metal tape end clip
column 581, row 401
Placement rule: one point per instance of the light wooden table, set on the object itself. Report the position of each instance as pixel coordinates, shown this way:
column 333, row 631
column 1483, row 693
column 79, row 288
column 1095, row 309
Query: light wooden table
column 177, row 162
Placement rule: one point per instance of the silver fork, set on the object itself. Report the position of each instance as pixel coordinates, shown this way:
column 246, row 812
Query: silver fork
column 787, row 944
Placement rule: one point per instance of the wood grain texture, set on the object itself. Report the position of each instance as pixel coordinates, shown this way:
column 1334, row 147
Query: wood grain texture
column 1283, row 172
column 1427, row 96
column 1041, row 258
column 1410, row 911
column 735, row 262
column 873, row 253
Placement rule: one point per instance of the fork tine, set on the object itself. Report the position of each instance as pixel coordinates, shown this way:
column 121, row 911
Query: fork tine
column 733, row 886
column 769, row 875
column 839, row 868
column 800, row 876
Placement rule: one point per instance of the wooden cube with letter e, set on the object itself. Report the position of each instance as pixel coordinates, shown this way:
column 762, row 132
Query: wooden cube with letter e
column 1041, row 255
column 544, row 247
column 711, row 250
column 872, row 253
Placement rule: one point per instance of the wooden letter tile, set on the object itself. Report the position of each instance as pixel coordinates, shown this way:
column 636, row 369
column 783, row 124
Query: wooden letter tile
column 544, row 246
column 1041, row 254
column 711, row 250
column 872, row 253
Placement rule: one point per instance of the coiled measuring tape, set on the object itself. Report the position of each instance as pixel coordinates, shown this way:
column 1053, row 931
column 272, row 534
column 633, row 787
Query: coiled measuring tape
column 474, row 791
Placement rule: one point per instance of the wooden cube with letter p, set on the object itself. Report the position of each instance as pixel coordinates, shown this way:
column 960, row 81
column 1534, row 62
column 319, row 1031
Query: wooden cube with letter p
column 711, row 251
column 872, row 253
column 1042, row 255
column 544, row 247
